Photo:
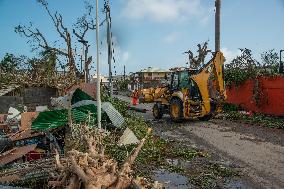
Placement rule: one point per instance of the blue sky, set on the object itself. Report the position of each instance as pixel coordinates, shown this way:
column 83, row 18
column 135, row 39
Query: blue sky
column 154, row 32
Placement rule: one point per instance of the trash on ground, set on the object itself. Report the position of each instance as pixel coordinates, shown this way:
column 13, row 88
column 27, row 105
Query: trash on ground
column 128, row 137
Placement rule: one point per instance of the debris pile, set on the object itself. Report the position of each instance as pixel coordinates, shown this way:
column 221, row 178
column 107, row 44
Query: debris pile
column 26, row 173
column 94, row 169
column 30, row 141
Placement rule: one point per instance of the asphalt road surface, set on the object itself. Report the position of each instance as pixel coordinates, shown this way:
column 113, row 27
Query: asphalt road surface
column 258, row 151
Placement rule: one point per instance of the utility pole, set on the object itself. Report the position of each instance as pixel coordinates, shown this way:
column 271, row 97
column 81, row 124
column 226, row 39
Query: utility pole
column 217, row 25
column 82, row 59
column 87, row 64
column 99, row 110
column 281, row 67
column 107, row 10
column 85, row 52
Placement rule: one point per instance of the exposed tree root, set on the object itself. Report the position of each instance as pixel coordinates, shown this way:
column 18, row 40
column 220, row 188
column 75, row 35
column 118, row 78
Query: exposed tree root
column 95, row 170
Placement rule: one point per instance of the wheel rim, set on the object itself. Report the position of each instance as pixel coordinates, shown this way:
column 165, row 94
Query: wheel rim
column 175, row 110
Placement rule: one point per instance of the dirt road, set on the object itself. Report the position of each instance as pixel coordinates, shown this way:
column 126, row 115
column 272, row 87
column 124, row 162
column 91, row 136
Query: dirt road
column 258, row 151
column 261, row 160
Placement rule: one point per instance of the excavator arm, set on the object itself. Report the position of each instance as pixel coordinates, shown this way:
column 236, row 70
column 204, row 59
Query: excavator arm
column 214, row 66
column 218, row 70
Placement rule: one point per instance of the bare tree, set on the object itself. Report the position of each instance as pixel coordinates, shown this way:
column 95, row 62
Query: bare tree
column 38, row 40
column 196, row 61
column 84, row 24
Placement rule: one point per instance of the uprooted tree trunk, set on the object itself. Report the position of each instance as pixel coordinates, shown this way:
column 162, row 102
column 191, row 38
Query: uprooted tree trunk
column 94, row 169
column 196, row 61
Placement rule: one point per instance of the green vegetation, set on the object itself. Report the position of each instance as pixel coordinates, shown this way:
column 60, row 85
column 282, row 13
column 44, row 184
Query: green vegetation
column 8, row 66
column 211, row 173
column 156, row 151
column 245, row 67
column 235, row 113
column 257, row 119
column 38, row 71
column 122, row 84
column 230, row 107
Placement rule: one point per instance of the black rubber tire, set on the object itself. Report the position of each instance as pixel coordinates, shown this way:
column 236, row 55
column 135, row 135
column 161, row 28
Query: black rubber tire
column 206, row 117
column 157, row 111
column 179, row 103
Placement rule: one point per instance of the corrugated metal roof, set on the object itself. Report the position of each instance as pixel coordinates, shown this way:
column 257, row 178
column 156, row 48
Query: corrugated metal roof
column 115, row 117
column 82, row 105
column 8, row 179
column 8, row 88
column 12, row 187
column 25, row 134
column 27, row 172
column 26, row 120
column 57, row 118
column 128, row 137
column 15, row 153
column 89, row 88
column 150, row 69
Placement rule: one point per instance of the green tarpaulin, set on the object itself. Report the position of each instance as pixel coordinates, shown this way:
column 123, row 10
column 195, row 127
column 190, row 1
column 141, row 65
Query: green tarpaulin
column 57, row 118
column 80, row 95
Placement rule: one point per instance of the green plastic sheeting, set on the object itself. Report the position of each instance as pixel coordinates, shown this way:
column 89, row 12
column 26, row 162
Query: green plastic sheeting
column 80, row 95
column 57, row 118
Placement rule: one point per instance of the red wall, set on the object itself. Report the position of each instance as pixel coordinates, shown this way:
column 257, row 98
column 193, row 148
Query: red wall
column 271, row 90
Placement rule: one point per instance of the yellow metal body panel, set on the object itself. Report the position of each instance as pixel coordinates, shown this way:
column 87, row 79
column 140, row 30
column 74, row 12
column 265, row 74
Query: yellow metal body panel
column 215, row 66
column 218, row 72
column 178, row 94
column 202, row 80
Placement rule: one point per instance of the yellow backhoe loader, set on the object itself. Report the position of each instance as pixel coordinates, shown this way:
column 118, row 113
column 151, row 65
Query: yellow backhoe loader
column 191, row 93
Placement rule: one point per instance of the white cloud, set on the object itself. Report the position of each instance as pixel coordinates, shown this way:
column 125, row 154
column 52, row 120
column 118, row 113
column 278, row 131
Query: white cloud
column 125, row 56
column 207, row 14
column 172, row 37
column 230, row 54
column 165, row 10
column 122, row 57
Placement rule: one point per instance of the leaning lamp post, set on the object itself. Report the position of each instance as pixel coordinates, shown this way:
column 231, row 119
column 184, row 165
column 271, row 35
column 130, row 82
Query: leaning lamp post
column 85, row 44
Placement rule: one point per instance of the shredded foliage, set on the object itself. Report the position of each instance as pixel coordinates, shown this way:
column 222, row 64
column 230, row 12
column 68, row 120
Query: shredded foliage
column 235, row 113
column 256, row 119
column 156, row 151
column 212, row 172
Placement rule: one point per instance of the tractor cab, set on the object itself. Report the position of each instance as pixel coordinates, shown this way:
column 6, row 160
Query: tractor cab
column 181, row 81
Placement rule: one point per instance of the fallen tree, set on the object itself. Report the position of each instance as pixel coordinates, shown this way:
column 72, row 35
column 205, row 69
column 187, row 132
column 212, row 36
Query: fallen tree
column 94, row 169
